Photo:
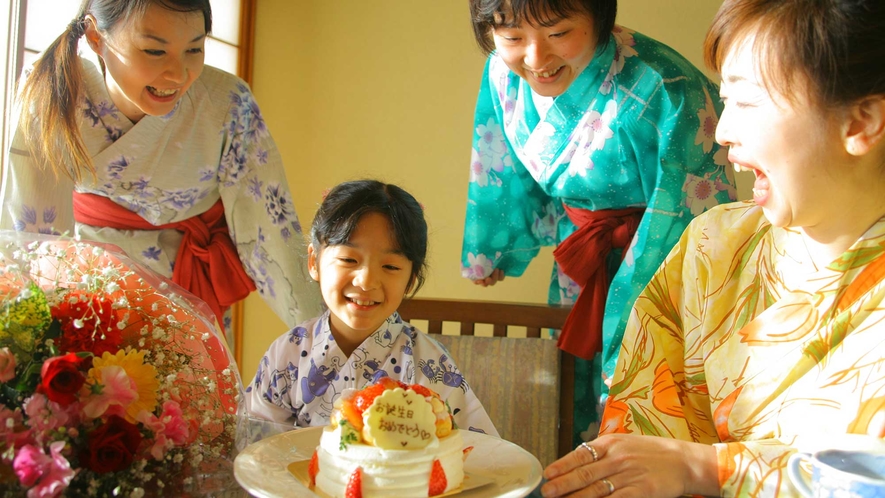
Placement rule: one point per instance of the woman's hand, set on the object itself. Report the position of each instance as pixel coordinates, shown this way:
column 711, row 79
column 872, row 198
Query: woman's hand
column 631, row 465
column 497, row 274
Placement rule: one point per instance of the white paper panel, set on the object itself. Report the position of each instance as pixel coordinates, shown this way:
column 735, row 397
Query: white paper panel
column 46, row 19
column 226, row 20
column 221, row 55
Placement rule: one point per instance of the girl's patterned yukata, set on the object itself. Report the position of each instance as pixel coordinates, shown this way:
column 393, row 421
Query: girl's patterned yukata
column 304, row 372
column 741, row 342
column 635, row 129
column 214, row 144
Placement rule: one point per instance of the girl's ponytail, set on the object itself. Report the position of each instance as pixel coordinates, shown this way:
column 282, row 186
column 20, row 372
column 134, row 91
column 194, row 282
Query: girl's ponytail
column 49, row 103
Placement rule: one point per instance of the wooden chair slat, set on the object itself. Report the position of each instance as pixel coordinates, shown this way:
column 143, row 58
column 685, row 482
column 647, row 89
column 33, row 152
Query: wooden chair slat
column 499, row 330
column 534, row 317
column 491, row 312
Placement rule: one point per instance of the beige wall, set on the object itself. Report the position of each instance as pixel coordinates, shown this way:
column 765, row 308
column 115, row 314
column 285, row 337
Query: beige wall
column 386, row 89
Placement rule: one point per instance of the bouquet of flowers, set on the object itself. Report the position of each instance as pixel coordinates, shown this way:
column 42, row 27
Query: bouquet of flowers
column 113, row 381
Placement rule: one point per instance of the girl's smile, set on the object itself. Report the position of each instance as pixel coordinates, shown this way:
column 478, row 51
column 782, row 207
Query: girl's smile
column 363, row 281
column 549, row 57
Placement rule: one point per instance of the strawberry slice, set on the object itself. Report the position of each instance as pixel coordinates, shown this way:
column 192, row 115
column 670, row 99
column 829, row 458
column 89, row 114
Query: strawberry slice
column 354, row 487
column 467, row 451
column 313, row 468
column 392, row 383
column 438, row 482
column 423, row 391
column 363, row 399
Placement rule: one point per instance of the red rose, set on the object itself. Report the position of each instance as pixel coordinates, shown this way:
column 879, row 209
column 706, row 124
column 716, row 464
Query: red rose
column 112, row 446
column 62, row 377
column 96, row 331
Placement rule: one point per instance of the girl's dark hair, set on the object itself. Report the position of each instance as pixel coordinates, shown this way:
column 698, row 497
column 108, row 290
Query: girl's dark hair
column 51, row 93
column 486, row 15
column 836, row 47
column 344, row 206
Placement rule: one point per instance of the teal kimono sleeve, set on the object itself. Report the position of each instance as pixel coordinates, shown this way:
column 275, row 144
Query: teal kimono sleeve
column 683, row 173
column 509, row 217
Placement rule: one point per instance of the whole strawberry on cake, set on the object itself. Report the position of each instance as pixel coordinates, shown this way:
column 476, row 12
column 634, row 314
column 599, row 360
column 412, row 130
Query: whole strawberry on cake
column 389, row 439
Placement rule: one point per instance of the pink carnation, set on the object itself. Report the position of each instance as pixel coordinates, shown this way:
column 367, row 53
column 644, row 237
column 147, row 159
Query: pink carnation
column 13, row 434
column 117, row 392
column 170, row 429
column 48, row 474
column 7, row 365
column 44, row 415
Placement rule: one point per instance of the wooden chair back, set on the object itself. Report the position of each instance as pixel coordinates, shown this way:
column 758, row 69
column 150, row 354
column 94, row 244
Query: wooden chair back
column 525, row 383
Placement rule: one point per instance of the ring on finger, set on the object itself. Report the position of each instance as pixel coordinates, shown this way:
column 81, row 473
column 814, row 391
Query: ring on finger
column 611, row 487
column 592, row 451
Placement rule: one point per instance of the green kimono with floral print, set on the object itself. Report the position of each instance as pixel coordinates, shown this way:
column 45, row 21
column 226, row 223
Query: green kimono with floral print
column 635, row 129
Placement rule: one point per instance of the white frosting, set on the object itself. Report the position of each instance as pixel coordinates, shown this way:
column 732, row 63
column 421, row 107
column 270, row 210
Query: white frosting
column 393, row 473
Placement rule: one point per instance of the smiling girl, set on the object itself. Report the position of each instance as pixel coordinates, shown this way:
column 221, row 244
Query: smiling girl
column 368, row 249
column 158, row 154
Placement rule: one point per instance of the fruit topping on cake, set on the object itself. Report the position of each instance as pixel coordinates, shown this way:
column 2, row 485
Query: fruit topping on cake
column 392, row 415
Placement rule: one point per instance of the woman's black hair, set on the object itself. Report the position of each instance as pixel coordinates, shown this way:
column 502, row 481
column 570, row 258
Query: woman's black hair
column 486, row 15
column 344, row 206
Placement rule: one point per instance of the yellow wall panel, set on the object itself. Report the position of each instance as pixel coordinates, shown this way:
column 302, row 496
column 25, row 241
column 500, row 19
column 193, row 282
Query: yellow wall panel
column 386, row 89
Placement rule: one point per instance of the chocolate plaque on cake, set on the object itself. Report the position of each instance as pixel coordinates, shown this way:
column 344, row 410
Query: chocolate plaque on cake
column 400, row 419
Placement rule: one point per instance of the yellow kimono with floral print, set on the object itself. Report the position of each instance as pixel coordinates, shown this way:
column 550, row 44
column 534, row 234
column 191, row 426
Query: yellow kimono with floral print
column 740, row 342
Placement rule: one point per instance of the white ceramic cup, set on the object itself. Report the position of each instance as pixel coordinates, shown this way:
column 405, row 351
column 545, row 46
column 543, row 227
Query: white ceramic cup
column 839, row 473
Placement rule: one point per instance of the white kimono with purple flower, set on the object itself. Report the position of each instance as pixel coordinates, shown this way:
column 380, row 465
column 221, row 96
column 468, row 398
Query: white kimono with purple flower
column 213, row 145
column 303, row 372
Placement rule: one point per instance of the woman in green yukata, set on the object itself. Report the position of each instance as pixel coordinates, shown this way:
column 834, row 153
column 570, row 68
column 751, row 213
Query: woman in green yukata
column 598, row 140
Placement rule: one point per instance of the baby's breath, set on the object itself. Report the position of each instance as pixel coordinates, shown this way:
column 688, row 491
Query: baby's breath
column 153, row 321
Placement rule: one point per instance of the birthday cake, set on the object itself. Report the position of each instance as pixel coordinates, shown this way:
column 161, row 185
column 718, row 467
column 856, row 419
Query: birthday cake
column 389, row 439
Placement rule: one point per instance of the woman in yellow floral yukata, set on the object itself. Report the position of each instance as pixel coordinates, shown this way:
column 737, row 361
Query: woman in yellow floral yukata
column 764, row 330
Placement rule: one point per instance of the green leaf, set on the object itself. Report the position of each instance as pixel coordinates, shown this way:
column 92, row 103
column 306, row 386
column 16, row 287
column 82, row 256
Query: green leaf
column 54, row 330
column 9, row 396
column 348, row 435
column 854, row 259
column 645, row 426
column 29, row 380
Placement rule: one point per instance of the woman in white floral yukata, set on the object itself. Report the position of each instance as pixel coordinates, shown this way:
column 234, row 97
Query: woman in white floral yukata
column 158, row 154
column 598, row 140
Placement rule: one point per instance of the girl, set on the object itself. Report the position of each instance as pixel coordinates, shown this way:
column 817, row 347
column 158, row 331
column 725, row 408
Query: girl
column 595, row 139
column 158, row 154
column 761, row 334
column 367, row 251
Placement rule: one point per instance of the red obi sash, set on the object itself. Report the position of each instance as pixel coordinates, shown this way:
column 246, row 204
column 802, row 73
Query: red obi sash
column 582, row 256
column 207, row 264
